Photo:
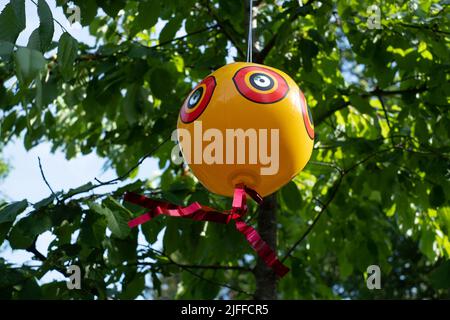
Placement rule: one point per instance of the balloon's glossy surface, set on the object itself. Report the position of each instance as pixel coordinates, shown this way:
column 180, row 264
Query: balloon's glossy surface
column 258, row 99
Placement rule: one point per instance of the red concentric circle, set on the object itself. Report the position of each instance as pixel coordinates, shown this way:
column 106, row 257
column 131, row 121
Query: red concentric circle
column 307, row 116
column 198, row 100
column 260, row 85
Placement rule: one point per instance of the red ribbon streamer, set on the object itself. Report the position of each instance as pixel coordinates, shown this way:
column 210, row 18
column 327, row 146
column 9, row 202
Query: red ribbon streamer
column 198, row 212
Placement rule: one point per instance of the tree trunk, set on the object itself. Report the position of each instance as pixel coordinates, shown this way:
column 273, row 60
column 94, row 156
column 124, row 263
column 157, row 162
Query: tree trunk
column 266, row 279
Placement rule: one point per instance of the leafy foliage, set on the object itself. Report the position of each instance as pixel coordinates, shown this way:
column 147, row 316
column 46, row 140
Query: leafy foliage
column 376, row 190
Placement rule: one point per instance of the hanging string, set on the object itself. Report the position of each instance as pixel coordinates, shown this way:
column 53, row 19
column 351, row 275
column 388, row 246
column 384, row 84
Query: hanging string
column 250, row 33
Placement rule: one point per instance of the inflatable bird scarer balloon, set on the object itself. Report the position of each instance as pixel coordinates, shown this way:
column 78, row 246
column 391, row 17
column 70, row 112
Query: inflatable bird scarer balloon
column 244, row 130
column 254, row 102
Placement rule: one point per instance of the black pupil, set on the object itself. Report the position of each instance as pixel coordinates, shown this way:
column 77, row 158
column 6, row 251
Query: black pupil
column 261, row 81
column 195, row 98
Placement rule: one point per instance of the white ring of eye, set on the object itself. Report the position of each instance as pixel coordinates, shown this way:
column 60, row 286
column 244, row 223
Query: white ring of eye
column 193, row 100
column 262, row 81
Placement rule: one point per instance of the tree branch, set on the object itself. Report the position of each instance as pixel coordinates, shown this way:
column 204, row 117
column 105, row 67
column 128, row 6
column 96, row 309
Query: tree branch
column 186, row 268
column 377, row 92
column 183, row 37
column 45, row 180
column 224, row 27
column 123, row 176
column 383, row 106
column 93, row 56
column 321, row 117
column 335, row 188
column 304, row 10
column 54, row 19
column 316, row 219
column 432, row 28
column 198, row 266
column 32, row 249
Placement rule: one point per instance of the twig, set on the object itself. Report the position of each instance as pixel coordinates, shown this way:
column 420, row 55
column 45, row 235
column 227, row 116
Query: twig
column 328, row 164
column 261, row 56
column 55, row 20
column 143, row 158
column 383, row 106
column 32, row 249
column 123, row 176
column 377, row 92
column 225, row 31
column 184, row 36
column 45, row 180
column 336, row 186
column 433, row 28
column 198, row 275
column 386, row 116
column 93, row 56
column 200, row 266
column 316, row 219
column 218, row 283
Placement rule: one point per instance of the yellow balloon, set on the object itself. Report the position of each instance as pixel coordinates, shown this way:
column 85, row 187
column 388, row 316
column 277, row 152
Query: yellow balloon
column 246, row 123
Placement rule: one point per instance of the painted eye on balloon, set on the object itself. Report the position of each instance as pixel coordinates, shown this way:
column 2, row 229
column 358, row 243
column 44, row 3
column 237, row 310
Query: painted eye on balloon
column 260, row 85
column 307, row 116
column 198, row 100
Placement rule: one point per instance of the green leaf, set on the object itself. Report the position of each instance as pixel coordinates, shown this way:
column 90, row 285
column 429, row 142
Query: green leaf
column 437, row 196
column 113, row 204
column 111, row 7
column 25, row 231
column 41, row 38
column 88, row 11
column 34, row 42
column 44, row 202
column 308, row 50
column 29, row 290
column 170, row 29
column 426, row 243
column 10, row 276
column 121, row 250
column 10, row 212
column 134, row 287
column 151, row 230
column 12, row 20
column 130, row 104
column 161, row 82
column 6, row 49
column 65, row 213
column 345, row 267
column 67, row 53
column 81, row 189
column 362, row 104
column 291, row 196
column 92, row 230
column 29, row 64
column 117, row 221
column 440, row 277
column 8, row 215
column 148, row 14
column 171, row 238
column 391, row 210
